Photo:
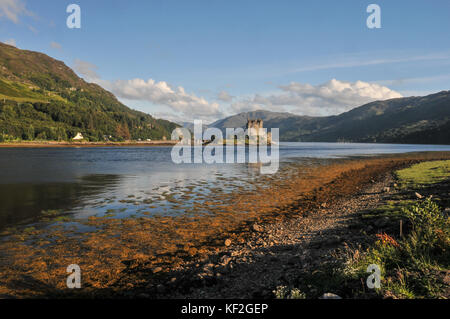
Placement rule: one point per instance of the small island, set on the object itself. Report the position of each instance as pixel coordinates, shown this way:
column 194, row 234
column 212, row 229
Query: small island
column 254, row 135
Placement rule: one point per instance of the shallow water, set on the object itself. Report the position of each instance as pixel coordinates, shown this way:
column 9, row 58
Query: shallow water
column 137, row 181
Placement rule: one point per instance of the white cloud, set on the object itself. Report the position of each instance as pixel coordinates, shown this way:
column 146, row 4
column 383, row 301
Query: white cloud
column 57, row 46
column 13, row 9
column 415, row 80
column 258, row 102
column 33, row 29
column 224, row 96
column 176, row 118
column 11, row 42
column 332, row 97
column 86, row 69
column 187, row 105
column 364, row 60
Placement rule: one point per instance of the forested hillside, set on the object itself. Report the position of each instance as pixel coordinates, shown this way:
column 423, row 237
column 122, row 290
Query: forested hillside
column 43, row 99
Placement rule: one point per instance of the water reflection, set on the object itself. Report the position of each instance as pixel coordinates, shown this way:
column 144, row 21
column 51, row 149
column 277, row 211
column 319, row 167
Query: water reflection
column 129, row 181
column 21, row 203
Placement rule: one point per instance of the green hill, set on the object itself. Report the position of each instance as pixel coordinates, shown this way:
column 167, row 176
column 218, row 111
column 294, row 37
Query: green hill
column 41, row 98
column 421, row 120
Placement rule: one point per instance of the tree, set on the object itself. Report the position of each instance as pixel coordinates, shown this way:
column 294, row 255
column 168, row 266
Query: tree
column 123, row 131
column 28, row 133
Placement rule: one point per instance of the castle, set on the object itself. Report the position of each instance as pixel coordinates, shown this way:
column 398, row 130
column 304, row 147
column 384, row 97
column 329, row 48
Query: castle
column 259, row 124
column 256, row 124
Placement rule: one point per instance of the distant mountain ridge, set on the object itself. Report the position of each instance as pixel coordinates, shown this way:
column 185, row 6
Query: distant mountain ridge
column 421, row 120
column 41, row 98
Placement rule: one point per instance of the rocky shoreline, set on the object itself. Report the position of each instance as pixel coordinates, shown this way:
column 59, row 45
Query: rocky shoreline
column 300, row 226
column 284, row 251
column 275, row 253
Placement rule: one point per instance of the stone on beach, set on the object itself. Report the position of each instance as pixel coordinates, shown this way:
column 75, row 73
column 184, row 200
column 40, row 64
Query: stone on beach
column 257, row 228
column 330, row 295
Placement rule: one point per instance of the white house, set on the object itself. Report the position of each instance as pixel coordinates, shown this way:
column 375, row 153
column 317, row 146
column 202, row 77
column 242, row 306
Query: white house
column 79, row 137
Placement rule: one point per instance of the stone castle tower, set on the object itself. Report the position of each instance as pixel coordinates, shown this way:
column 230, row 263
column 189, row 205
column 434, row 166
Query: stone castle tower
column 257, row 124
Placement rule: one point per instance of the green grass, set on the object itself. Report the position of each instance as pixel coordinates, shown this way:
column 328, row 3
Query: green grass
column 391, row 209
column 22, row 99
column 22, row 93
column 423, row 174
column 415, row 265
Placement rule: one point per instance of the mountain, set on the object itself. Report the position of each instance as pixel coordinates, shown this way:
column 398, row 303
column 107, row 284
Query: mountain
column 190, row 126
column 41, row 98
column 422, row 120
column 240, row 120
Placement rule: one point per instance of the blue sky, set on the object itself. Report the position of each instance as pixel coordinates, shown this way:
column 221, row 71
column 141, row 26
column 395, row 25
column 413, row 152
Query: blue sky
column 207, row 59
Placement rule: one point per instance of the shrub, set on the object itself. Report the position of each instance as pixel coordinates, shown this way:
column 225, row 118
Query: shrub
column 283, row 292
column 412, row 267
column 430, row 226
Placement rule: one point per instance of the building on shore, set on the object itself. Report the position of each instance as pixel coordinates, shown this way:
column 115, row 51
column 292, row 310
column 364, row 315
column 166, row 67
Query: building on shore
column 254, row 134
column 78, row 137
column 258, row 126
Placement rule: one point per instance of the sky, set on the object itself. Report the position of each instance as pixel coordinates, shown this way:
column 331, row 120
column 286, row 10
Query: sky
column 207, row 59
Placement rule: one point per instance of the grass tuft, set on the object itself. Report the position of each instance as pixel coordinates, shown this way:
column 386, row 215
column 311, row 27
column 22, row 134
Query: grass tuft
column 424, row 174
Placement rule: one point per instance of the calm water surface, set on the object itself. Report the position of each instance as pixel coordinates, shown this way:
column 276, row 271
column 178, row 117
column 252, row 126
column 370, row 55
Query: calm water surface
column 83, row 182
